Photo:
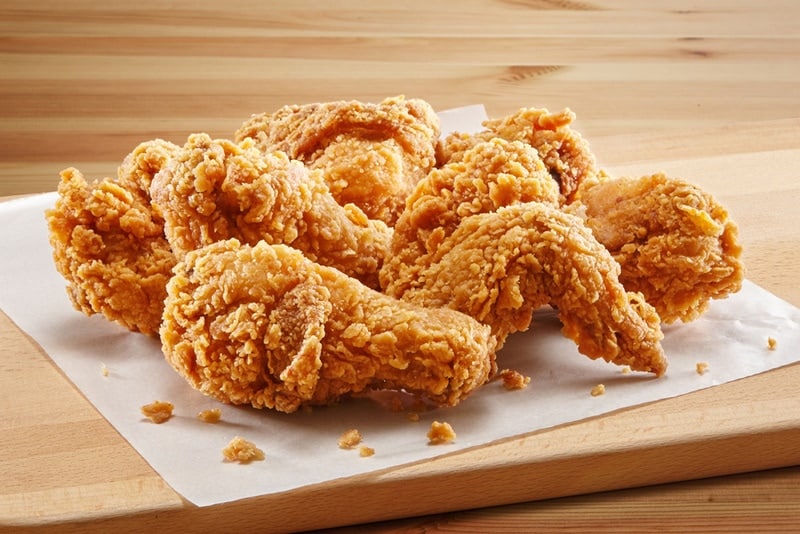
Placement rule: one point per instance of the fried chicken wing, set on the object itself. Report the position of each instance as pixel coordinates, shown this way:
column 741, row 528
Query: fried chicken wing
column 674, row 242
column 488, row 175
column 371, row 155
column 565, row 152
column 264, row 325
column 213, row 190
column 500, row 266
column 111, row 250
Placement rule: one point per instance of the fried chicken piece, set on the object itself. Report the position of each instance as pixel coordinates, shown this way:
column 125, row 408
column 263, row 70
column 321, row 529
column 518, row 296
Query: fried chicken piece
column 111, row 249
column 213, row 190
column 486, row 176
column 565, row 152
column 140, row 166
column 371, row 155
column 674, row 242
column 264, row 325
column 500, row 266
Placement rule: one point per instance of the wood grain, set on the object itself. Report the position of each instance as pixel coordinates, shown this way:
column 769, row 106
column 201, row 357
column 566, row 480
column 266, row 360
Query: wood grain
column 83, row 83
column 704, row 90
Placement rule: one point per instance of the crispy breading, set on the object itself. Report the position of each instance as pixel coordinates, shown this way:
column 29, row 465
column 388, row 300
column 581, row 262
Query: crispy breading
column 109, row 244
column 488, row 175
column 266, row 326
column 111, row 249
column 500, row 266
column 565, row 153
column 215, row 189
column 674, row 242
column 371, row 155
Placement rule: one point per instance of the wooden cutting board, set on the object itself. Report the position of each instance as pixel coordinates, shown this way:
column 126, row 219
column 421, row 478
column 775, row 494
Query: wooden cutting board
column 65, row 469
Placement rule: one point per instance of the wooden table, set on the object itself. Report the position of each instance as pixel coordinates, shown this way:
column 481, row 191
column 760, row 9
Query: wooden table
column 706, row 90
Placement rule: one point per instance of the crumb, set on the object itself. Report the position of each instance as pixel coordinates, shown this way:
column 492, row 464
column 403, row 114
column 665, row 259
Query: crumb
column 514, row 379
column 440, row 433
column 104, row 370
column 158, row 411
column 365, row 451
column 772, row 343
column 412, row 416
column 349, row 439
column 626, row 369
column 210, row 416
column 599, row 389
column 242, row 451
column 701, row 368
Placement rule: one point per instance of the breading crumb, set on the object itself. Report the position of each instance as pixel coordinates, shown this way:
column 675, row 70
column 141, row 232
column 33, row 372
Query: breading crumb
column 158, row 411
column 413, row 417
column 701, row 368
column 440, row 433
column 772, row 343
column 626, row 369
column 514, row 379
column 242, row 451
column 365, row 451
column 104, row 370
column 349, row 439
column 599, row 389
column 210, row 416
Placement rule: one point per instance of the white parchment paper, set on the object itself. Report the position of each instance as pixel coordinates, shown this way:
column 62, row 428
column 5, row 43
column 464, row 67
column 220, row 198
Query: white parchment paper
column 301, row 448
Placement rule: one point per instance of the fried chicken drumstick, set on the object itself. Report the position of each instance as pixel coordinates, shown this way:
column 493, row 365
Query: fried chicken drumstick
column 264, row 325
column 674, row 242
column 371, row 155
column 213, row 190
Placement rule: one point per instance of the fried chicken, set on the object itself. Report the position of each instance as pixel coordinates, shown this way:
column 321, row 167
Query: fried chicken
column 371, row 155
column 266, row 326
column 674, row 242
column 111, row 250
column 140, row 166
column 565, row 152
column 500, row 266
column 486, row 176
column 213, row 190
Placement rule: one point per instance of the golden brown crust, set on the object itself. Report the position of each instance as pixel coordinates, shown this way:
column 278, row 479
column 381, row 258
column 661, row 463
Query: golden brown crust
column 499, row 267
column 674, row 242
column 351, row 142
column 488, row 175
column 564, row 151
column 215, row 189
column 110, row 247
column 109, row 243
column 263, row 325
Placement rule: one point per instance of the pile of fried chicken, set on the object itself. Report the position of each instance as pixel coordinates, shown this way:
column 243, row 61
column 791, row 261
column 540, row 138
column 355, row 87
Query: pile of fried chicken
column 338, row 248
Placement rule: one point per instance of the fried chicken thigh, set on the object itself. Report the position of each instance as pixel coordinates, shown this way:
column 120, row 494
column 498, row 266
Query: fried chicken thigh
column 565, row 152
column 266, row 326
column 213, row 190
column 674, row 242
column 370, row 155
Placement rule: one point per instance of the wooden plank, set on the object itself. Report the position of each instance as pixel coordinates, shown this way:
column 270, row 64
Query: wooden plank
column 746, row 425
